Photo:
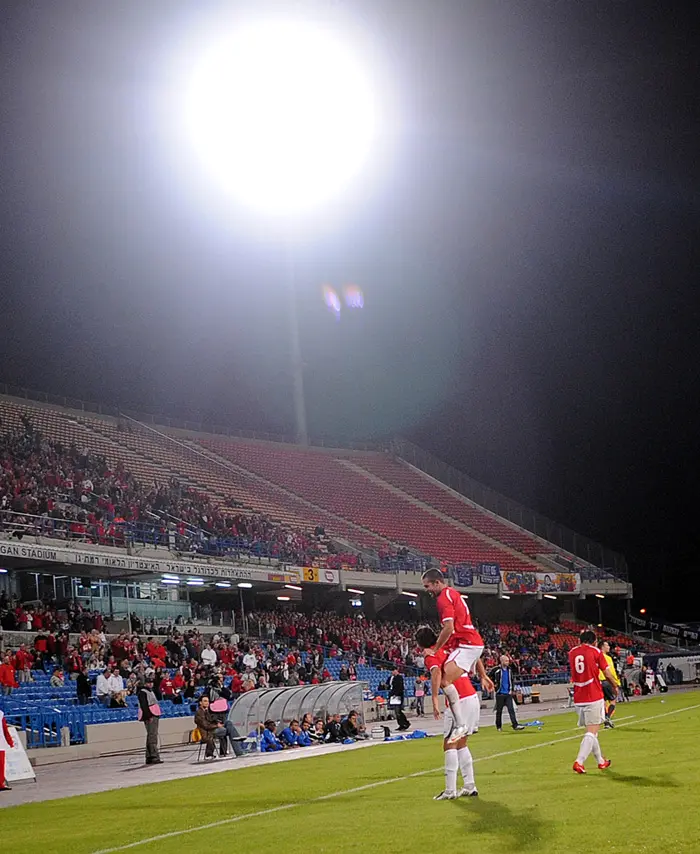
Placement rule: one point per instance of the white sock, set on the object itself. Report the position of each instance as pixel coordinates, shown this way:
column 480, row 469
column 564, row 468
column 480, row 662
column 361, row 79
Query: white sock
column 466, row 766
column 452, row 697
column 584, row 750
column 451, row 765
column 595, row 748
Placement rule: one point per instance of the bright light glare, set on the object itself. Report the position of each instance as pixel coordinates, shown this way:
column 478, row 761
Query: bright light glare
column 281, row 114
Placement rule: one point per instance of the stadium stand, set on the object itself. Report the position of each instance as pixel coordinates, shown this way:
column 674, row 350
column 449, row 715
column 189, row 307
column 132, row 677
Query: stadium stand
column 340, row 484
column 295, row 648
column 371, row 501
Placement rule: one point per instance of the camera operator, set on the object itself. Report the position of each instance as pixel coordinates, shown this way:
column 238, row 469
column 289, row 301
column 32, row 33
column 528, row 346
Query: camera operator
column 212, row 728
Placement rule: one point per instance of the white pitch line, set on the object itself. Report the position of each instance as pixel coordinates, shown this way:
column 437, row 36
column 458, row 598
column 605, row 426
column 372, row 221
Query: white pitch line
column 271, row 810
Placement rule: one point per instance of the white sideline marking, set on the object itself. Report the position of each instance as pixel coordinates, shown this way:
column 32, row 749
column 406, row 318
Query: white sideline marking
column 226, row 821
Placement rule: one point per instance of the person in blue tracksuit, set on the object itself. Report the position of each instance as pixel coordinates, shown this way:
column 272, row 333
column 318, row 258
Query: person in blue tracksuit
column 289, row 735
column 303, row 737
column 269, row 738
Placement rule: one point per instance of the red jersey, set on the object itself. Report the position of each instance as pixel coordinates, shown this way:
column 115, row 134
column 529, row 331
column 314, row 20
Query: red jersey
column 463, row 684
column 451, row 606
column 585, row 662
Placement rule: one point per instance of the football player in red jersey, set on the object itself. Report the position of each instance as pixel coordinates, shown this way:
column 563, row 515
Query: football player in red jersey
column 457, row 754
column 586, row 661
column 458, row 637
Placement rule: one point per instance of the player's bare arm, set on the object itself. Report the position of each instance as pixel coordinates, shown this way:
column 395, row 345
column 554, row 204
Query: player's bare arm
column 448, row 628
column 435, row 680
column 484, row 678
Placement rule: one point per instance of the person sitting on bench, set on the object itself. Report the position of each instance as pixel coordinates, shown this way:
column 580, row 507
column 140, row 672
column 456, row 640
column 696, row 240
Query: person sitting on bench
column 212, row 728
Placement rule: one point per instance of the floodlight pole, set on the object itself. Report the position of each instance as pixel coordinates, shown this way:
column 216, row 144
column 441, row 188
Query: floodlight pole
column 302, row 434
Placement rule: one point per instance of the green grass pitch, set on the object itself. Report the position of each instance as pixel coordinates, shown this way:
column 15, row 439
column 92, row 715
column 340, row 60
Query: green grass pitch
column 380, row 798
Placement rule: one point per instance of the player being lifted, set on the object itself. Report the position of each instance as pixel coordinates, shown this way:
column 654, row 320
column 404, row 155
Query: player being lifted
column 459, row 639
column 457, row 754
column 586, row 661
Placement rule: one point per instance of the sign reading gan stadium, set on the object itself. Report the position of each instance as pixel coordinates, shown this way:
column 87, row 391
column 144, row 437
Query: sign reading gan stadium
column 106, row 560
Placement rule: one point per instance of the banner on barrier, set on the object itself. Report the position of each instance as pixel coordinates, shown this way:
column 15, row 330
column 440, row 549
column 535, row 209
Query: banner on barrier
column 463, row 575
column 489, row 573
column 680, row 632
column 17, row 764
column 541, row 582
column 108, row 560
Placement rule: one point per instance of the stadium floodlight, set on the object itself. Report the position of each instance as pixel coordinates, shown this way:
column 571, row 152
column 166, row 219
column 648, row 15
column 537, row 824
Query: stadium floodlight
column 281, row 116
column 280, row 113
column 642, row 610
column 245, row 585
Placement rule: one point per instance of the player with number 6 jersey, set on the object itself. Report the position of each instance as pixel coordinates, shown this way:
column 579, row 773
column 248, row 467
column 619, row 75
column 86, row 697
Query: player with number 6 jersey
column 586, row 661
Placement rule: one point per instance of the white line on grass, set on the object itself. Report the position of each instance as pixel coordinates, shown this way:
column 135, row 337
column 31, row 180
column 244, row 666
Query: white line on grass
column 271, row 810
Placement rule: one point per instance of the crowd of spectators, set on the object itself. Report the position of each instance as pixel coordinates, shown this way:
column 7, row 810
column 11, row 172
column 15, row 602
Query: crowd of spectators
column 292, row 648
column 49, row 489
column 357, row 639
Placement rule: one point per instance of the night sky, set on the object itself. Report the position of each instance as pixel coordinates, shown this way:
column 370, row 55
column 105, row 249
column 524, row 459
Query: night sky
column 527, row 242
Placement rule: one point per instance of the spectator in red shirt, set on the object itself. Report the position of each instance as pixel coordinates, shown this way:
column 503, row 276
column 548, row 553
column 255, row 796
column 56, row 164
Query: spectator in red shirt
column 73, row 663
column 167, row 689
column 23, row 663
column 8, row 680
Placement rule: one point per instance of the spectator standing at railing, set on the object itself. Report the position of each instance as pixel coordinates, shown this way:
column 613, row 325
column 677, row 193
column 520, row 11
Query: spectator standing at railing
column 103, row 688
column 83, row 687
column 419, row 692
column 23, row 664
column 8, row 680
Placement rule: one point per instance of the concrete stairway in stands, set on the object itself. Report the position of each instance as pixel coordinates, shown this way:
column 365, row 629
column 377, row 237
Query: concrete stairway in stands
column 337, row 522
column 430, row 509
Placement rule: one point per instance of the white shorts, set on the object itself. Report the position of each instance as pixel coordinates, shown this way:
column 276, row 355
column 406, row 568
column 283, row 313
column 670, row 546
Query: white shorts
column 590, row 714
column 471, row 708
column 466, row 657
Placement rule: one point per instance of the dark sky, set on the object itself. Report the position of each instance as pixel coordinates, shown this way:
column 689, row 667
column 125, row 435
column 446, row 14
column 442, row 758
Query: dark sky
column 528, row 252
